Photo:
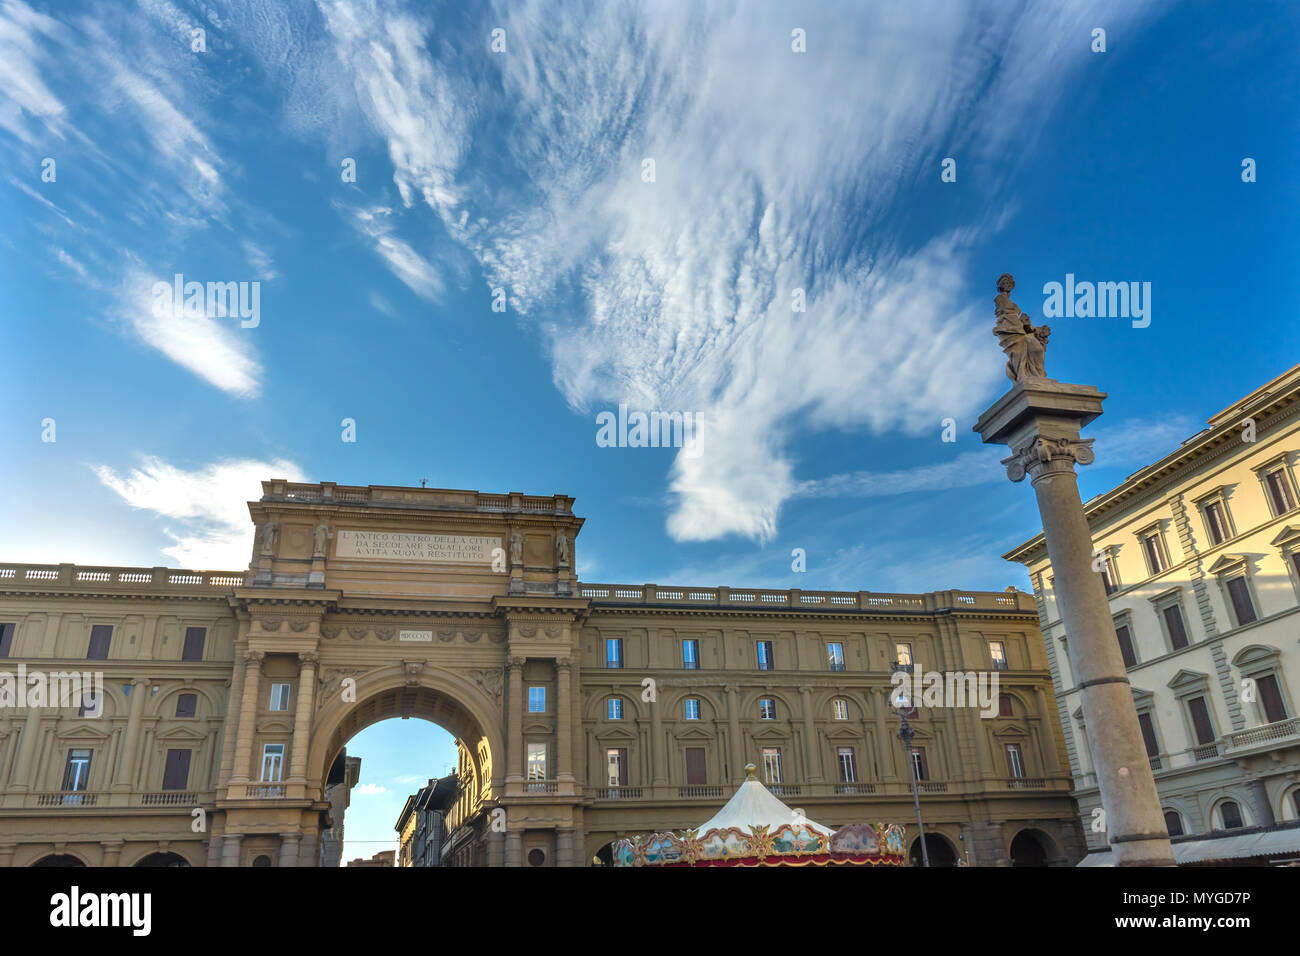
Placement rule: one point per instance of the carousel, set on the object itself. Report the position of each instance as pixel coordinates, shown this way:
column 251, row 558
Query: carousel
column 757, row 829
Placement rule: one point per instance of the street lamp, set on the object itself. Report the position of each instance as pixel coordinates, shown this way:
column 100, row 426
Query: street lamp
column 905, row 709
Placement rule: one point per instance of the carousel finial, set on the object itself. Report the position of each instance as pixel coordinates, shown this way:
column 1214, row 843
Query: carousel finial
column 749, row 771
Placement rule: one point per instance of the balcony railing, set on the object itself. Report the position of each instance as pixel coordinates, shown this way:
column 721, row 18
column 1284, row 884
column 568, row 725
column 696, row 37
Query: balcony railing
column 168, row 798
column 1026, row 783
column 541, row 786
column 71, row 575
column 1206, row 751
column 264, row 791
column 931, row 786
column 854, row 789
column 785, row 789
column 616, row 793
column 652, row 594
column 701, row 792
column 1276, row 732
column 73, row 798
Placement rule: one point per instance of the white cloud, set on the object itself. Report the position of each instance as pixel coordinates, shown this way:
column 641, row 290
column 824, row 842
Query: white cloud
column 206, row 507
column 369, row 789
column 402, row 260
column 25, row 98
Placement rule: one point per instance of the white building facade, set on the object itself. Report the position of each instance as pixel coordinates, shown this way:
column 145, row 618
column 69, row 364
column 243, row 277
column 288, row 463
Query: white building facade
column 1200, row 555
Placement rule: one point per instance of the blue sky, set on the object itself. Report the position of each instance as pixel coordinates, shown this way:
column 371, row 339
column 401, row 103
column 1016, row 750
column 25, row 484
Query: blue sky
column 522, row 170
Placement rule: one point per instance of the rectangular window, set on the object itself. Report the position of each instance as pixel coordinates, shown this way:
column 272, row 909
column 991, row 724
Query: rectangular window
column 691, row 655
column 692, row 708
column 614, row 652
column 537, row 700
column 772, row 764
column 176, row 770
column 903, row 654
column 835, row 656
column 272, row 762
column 614, row 708
column 1216, row 522
column 1109, row 579
column 840, row 709
column 764, row 650
column 76, row 774
column 186, row 705
column 1174, row 622
column 1201, row 720
column 537, row 761
column 194, row 637
column 766, row 709
column 6, row 639
column 100, row 637
column 1148, row 734
column 1242, row 606
column 1015, row 762
column 279, row 696
column 920, row 766
column 616, row 762
column 1280, row 497
column 1153, row 549
column 848, row 765
column 1126, row 645
column 1270, row 698
column 696, row 775
column 998, row 652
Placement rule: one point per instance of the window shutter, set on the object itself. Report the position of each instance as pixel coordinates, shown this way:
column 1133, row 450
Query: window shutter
column 1126, row 645
column 622, row 766
column 1271, row 697
column 100, row 637
column 176, row 770
column 6, row 639
column 1177, row 632
column 695, row 772
column 194, row 637
column 1241, row 603
column 1201, row 720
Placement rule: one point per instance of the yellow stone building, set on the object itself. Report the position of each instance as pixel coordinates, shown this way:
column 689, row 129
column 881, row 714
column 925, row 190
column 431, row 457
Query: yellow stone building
column 583, row 712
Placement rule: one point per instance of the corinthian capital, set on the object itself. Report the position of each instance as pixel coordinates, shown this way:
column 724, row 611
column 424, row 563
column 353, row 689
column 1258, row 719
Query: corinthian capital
column 1043, row 455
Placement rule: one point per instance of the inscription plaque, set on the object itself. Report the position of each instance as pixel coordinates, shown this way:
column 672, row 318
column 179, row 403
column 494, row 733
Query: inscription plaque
column 422, row 636
column 403, row 546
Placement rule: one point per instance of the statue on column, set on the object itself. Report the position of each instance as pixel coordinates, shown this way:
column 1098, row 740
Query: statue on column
column 561, row 550
column 320, row 536
column 1025, row 346
column 516, row 549
column 268, row 536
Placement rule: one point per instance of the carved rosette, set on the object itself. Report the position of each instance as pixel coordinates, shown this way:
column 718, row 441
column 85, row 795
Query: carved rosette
column 1045, row 456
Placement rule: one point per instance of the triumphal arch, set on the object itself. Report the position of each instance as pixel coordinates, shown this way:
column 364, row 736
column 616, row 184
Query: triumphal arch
column 582, row 712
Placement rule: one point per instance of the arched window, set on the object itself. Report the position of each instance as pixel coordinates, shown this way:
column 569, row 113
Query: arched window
column 839, row 709
column 614, row 708
column 187, row 705
column 263, row 861
column 1173, row 823
column 1004, row 705
column 1231, row 814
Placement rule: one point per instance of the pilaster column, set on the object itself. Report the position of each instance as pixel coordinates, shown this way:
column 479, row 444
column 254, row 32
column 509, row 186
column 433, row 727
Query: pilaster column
column 496, row 848
column 124, row 776
column 112, row 852
column 230, row 849
column 563, row 720
column 214, row 850
column 7, row 854
column 230, row 722
column 1263, row 809
column 289, row 848
column 309, row 851
column 23, row 774
column 1039, row 419
column 737, row 759
column 564, row 846
column 514, row 848
column 517, row 754
column 658, row 748
column 811, row 755
column 247, row 716
column 302, row 717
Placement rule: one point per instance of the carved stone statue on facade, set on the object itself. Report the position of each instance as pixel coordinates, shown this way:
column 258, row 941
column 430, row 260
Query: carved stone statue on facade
column 1024, row 345
column 516, row 548
column 268, row 537
column 561, row 550
column 320, row 539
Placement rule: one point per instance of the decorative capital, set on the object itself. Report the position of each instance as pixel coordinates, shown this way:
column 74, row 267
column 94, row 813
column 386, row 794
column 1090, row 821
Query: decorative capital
column 1046, row 455
column 309, row 659
column 515, row 663
column 563, row 663
column 254, row 658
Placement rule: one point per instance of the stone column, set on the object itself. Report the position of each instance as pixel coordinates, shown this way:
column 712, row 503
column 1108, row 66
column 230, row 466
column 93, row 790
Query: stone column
column 302, row 718
column 564, row 846
column 733, row 735
column 230, row 723
column 214, row 850
column 230, row 849
column 563, row 721
column 124, row 775
column 515, row 848
column 309, row 851
column 658, row 748
column 247, row 717
column 1040, row 420
column 811, row 754
column 112, row 852
column 496, row 848
column 289, row 848
column 516, row 766
column 1263, row 809
column 23, row 770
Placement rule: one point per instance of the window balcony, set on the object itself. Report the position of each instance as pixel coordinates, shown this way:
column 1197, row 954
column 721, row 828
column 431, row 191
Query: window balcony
column 168, row 798
column 264, row 791
column 67, row 798
column 854, row 789
column 1264, row 737
column 1026, row 783
column 618, row 793
column 699, row 792
column 541, row 786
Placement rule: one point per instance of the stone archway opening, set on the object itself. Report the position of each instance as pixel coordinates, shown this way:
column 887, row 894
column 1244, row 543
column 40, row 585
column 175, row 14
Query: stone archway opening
column 59, row 859
column 940, row 851
column 1031, row 848
column 164, row 859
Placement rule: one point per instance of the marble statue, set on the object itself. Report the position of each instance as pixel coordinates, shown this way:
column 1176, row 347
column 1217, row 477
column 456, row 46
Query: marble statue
column 516, row 548
column 1025, row 346
column 268, row 537
column 319, row 538
column 561, row 549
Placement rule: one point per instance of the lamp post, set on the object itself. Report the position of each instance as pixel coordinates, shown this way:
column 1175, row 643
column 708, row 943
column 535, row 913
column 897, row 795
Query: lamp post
column 905, row 733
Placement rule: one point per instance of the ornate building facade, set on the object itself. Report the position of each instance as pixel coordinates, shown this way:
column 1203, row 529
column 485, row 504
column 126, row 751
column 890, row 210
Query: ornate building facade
column 583, row 712
column 1200, row 555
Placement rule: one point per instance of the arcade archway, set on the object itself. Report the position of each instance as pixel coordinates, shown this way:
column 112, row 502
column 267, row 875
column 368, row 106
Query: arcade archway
column 941, row 852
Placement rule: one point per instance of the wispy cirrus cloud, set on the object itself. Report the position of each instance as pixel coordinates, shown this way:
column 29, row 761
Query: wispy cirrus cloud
column 205, row 508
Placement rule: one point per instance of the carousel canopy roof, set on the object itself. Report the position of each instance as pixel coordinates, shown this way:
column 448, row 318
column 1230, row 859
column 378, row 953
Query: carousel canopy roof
column 754, row 805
